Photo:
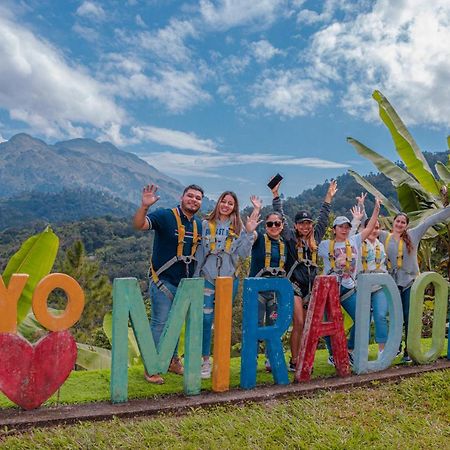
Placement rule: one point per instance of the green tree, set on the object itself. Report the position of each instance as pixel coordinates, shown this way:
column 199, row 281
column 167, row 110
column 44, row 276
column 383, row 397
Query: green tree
column 420, row 192
column 96, row 286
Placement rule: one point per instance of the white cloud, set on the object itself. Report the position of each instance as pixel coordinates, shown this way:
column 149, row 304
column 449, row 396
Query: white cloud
column 87, row 33
column 38, row 86
column 168, row 43
column 188, row 164
column 225, row 14
column 263, row 50
column 2, row 139
column 91, row 10
column 140, row 21
column 401, row 50
column 289, row 94
column 174, row 138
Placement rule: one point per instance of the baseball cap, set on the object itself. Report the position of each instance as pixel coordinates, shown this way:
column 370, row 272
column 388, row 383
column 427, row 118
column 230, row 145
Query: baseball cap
column 302, row 216
column 340, row 220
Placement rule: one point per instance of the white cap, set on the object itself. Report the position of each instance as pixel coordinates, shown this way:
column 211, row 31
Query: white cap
column 341, row 220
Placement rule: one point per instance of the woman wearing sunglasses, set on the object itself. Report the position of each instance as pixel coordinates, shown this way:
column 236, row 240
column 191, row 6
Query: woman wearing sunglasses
column 224, row 240
column 301, row 265
column 269, row 254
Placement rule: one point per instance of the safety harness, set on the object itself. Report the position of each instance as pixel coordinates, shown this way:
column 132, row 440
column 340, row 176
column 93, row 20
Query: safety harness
column 302, row 258
column 187, row 259
column 399, row 253
column 364, row 254
column 231, row 236
column 346, row 270
column 394, row 270
column 273, row 271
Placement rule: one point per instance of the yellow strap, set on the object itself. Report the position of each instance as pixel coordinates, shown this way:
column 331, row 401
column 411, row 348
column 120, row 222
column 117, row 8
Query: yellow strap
column 377, row 257
column 303, row 256
column 348, row 255
column 231, row 236
column 364, row 254
column 399, row 252
column 268, row 251
column 181, row 231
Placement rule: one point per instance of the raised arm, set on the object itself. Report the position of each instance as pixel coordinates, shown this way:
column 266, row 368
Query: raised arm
column 373, row 220
column 322, row 221
column 417, row 232
column 149, row 198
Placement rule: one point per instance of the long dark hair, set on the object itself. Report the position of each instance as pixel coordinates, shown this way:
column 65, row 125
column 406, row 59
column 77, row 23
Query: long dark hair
column 405, row 235
column 234, row 216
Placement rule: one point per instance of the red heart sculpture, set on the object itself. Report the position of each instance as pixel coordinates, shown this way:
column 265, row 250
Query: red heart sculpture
column 30, row 374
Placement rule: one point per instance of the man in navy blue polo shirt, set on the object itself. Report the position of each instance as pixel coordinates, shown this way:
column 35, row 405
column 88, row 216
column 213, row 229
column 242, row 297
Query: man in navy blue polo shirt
column 177, row 234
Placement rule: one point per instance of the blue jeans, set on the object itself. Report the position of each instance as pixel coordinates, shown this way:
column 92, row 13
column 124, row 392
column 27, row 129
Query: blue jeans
column 349, row 304
column 405, row 295
column 208, row 313
column 160, row 306
column 380, row 311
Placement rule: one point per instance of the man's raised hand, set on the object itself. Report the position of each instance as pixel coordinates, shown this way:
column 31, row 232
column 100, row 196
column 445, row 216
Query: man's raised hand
column 149, row 196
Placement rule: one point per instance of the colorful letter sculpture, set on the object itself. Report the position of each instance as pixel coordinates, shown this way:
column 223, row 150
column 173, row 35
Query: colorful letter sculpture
column 366, row 281
column 324, row 299
column 439, row 317
column 129, row 304
column 30, row 374
column 222, row 334
column 251, row 332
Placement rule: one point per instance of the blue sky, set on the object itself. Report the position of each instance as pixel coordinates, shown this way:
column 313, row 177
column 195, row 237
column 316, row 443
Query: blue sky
column 226, row 93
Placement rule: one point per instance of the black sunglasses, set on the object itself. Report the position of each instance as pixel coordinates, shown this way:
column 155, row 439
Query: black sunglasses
column 271, row 224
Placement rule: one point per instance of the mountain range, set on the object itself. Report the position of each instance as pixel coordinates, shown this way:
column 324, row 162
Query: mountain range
column 28, row 164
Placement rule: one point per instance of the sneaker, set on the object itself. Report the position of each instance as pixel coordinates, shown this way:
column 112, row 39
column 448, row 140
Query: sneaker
column 399, row 351
column 267, row 365
column 406, row 359
column 206, row 369
column 176, row 366
column 292, row 366
column 330, row 360
column 154, row 379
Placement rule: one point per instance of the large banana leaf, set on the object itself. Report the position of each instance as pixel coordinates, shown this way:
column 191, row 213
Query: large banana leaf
column 134, row 355
column 35, row 257
column 391, row 208
column 93, row 358
column 406, row 146
column 443, row 172
column 395, row 173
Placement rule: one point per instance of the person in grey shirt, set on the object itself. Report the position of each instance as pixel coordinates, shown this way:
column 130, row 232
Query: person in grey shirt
column 401, row 248
column 224, row 240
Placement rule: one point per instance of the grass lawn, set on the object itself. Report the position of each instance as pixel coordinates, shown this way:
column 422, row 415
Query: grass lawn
column 413, row 414
column 92, row 386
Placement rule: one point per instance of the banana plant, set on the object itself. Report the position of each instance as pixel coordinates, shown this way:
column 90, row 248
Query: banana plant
column 35, row 257
column 419, row 191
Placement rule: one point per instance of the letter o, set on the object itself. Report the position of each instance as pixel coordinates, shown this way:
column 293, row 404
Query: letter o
column 75, row 301
column 439, row 317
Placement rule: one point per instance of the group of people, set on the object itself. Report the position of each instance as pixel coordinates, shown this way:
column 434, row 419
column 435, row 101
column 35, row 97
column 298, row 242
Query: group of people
column 184, row 247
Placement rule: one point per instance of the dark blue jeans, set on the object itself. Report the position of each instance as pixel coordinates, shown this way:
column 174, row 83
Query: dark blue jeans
column 405, row 296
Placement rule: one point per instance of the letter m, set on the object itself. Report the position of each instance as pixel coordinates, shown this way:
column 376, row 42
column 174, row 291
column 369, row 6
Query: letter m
column 128, row 304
